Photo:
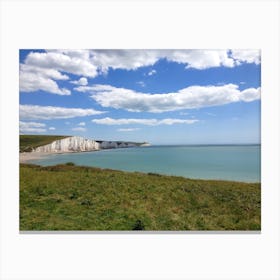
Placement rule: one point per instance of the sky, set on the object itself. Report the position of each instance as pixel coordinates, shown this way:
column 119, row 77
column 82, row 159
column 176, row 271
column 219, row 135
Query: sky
column 162, row 96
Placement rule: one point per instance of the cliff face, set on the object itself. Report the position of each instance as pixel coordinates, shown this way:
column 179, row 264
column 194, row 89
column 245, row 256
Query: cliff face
column 113, row 145
column 70, row 144
column 80, row 144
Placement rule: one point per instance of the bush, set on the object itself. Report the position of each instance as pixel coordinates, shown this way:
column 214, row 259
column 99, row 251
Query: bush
column 154, row 174
column 86, row 202
column 73, row 195
column 138, row 225
column 70, row 163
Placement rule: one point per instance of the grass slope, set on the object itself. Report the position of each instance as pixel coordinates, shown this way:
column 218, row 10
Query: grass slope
column 29, row 142
column 68, row 197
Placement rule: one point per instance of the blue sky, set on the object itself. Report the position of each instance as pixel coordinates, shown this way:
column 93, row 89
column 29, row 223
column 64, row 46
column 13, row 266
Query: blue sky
column 159, row 96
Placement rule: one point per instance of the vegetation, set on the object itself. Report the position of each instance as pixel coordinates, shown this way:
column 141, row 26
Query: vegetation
column 29, row 142
column 69, row 197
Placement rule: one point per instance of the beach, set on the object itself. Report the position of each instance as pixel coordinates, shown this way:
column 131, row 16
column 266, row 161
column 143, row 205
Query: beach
column 27, row 156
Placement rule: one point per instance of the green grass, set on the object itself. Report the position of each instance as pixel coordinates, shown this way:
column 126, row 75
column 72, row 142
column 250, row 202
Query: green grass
column 29, row 142
column 69, row 197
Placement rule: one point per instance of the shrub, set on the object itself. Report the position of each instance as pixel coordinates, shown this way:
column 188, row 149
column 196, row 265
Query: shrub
column 70, row 163
column 138, row 225
column 86, row 202
column 73, row 195
column 154, row 174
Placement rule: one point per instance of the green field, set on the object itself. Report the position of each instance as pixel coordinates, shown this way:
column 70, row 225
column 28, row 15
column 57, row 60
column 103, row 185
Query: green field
column 68, row 197
column 29, row 142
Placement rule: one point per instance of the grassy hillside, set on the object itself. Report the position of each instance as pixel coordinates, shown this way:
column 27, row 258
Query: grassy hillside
column 29, row 142
column 68, row 197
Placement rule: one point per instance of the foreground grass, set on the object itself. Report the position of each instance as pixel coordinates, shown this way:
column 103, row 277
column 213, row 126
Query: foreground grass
column 29, row 142
column 67, row 197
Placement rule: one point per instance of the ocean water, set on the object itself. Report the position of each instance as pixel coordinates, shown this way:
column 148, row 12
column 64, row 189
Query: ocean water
column 226, row 162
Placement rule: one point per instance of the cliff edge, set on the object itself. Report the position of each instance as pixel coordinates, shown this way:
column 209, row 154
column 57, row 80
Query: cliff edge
column 81, row 144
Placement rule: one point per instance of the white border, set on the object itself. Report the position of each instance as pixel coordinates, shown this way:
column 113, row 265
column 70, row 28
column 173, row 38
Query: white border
column 140, row 24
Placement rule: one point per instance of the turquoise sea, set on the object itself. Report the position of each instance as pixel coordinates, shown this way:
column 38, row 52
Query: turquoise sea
column 226, row 162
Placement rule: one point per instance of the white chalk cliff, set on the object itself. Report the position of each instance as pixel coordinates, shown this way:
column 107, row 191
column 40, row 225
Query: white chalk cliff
column 80, row 144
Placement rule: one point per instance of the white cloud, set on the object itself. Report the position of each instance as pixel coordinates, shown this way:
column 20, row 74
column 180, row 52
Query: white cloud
column 27, row 127
column 33, row 112
column 249, row 95
column 81, row 82
column 89, row 62
column 79, row 129
column 82, row 123
column 201, row 59
column 95, row 88
column 141, row 83
column 211, row 114
column 247, row 56
column 124, row 59
column 74, row 62
column 40, row 70
column 51, row 128
column 152, row 72
column 187, row 98
column 45, row 72
column 127, row 129
column 30, row 82
column 198, row 59
column 152, row 122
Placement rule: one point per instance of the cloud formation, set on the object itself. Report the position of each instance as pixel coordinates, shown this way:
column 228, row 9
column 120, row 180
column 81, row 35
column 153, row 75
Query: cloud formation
column 41, row 70
column 198, row 59
column 141, row 83
column 151, row 122
column 187, row 98
column 76, row 62
column 127, row 129
column 79, row 129
column 152, row 72
column 32, row 112
column 34, row 78
column 246, row 56
column 27, row 127
column 81, row 82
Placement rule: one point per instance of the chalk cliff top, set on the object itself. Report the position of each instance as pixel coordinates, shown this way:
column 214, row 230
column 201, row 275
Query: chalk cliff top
column 53, row 144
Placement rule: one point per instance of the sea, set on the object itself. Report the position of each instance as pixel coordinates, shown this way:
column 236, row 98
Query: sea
column 222, row 162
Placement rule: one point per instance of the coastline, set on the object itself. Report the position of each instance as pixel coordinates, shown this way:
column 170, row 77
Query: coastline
column 125, row 162
column 25, row 157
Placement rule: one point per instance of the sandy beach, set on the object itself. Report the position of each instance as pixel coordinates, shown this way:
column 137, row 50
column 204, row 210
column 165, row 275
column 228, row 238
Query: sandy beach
column 25, row 157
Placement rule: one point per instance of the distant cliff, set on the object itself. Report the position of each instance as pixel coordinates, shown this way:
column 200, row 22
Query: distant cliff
column 80, row 144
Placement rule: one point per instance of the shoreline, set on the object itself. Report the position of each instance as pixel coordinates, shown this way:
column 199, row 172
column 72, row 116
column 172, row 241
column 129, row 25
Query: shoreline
column 146, row 173
column 34, row 157
column 24, row 157
column 27, row 156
